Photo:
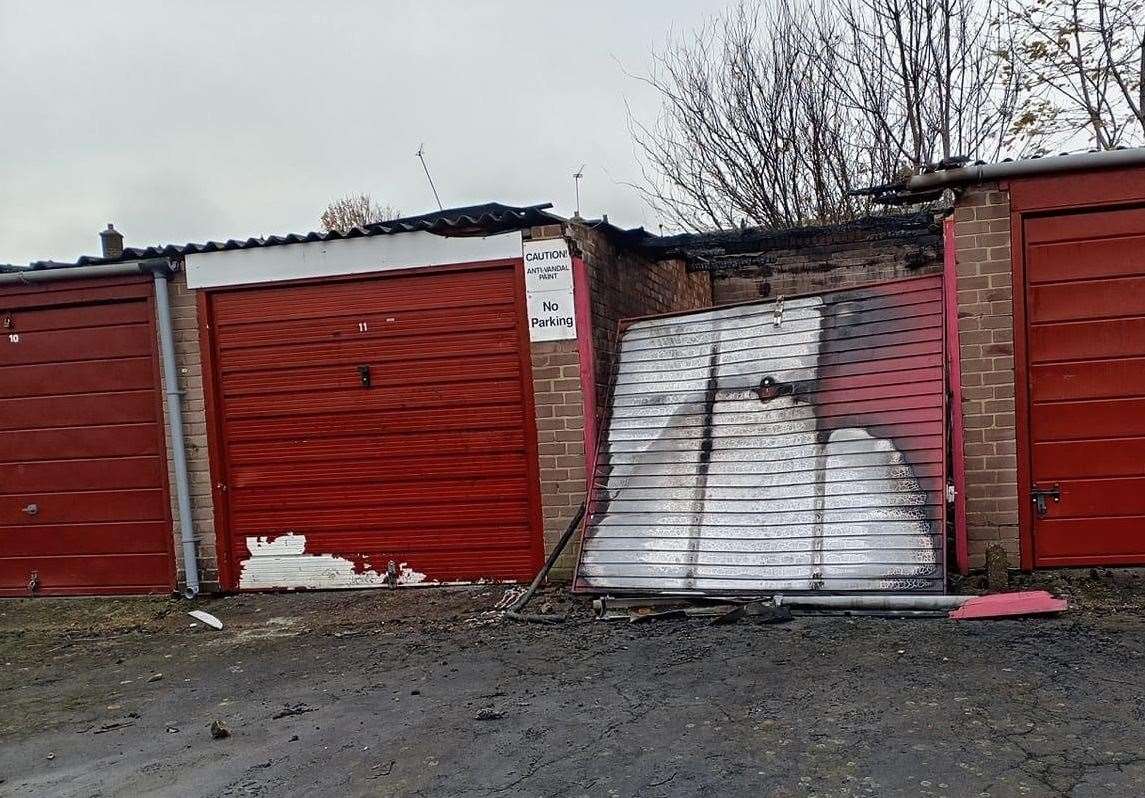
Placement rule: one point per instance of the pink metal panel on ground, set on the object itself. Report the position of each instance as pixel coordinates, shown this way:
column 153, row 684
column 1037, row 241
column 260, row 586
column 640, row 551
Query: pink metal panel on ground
column 786, row 445
column 1002, row 605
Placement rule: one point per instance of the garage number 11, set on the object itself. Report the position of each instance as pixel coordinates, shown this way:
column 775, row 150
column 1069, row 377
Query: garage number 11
column 363, row 327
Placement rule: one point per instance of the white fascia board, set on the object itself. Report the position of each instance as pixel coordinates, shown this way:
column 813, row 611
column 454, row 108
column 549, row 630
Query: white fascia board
column 343, row 256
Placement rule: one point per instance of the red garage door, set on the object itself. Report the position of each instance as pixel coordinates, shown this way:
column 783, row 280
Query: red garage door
column 83, row 498
column 1085, row 343
column 375, row 431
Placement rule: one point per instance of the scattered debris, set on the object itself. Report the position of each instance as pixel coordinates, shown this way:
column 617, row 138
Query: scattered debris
column 382, row 769
column 509, row 597
column 107, row 727
column 51, row 755
column 761, row 611
column 219, row 731
column 292, row 709
column 489, row 713
column 155, row 677
column 1003, row 605
column 172, row 730
column 207, row 618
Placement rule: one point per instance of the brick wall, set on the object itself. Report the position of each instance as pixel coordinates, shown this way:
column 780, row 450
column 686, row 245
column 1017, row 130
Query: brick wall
column 184, row 317
column 986, row 341
column 560, row 441
column 826, row 258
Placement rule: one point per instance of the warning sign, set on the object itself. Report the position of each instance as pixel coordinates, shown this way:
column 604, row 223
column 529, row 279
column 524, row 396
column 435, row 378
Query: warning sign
column 549, row 290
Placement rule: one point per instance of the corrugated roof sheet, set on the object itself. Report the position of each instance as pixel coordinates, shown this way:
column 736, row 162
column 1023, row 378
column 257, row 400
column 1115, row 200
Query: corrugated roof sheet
column 776, row 446
column 487, row 219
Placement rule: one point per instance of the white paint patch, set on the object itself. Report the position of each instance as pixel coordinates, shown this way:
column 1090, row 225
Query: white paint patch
column 284, row 563
column 344, row 256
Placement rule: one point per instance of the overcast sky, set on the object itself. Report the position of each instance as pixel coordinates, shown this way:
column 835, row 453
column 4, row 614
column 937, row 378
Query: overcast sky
column 190, row 121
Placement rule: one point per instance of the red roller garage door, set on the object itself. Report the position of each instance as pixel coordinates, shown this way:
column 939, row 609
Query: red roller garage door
column 83, row 499
column 1085, row 344
column 374, row 431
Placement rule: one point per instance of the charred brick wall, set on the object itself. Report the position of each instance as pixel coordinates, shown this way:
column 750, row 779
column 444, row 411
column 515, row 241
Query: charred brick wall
column 622, row 285
column 626, row 285
column 791, row 262
column 986, row 342
column 185, row 323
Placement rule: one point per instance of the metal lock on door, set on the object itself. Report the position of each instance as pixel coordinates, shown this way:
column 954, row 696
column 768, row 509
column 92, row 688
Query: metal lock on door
column 1039, row 496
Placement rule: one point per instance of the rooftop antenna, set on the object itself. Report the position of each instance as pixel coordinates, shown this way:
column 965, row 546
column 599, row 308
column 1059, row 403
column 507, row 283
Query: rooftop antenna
column 577, row 175
column 421, row 157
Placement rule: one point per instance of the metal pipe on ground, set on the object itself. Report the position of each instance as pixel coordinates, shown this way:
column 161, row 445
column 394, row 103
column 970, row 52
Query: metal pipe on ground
column 865, row 602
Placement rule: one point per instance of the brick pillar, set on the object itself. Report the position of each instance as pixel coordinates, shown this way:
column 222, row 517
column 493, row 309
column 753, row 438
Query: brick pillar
column 560, row 437
column 986, row 341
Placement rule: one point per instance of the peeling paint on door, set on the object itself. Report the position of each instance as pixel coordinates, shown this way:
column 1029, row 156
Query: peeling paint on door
column 283, row 561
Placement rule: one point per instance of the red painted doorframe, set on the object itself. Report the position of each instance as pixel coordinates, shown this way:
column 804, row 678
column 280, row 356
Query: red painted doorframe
column 228, row 578
column 1058, row 193
column 954, row 376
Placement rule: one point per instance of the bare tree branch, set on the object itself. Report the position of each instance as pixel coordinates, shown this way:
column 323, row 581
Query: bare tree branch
column 775, row 114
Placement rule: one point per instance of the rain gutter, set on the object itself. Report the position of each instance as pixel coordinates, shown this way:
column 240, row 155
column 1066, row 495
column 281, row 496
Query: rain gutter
column 981, row 173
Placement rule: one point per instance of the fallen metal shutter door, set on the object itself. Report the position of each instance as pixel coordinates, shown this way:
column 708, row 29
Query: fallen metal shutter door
column 776, row 446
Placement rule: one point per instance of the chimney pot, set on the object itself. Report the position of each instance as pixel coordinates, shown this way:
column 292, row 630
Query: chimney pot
column 111, row 242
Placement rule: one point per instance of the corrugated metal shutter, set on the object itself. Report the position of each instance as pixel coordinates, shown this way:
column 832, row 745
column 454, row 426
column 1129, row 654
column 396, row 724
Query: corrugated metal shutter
column 776, row 446
column 83, row 498
column 430, row 465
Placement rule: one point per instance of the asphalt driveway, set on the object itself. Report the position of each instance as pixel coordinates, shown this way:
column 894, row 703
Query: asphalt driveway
column 427, row 692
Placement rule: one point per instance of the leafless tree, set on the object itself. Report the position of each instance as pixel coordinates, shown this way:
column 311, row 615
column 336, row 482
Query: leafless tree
column 1084, row 68
column 935, row 77
column 774, row 114
column 354, row 210
column 749, row 129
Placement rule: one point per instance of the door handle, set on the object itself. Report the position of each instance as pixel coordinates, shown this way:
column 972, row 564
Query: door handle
column 32, row 509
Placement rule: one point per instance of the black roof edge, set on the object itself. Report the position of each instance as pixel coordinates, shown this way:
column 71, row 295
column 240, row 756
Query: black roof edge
column 716, row 243
column 491, row 218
